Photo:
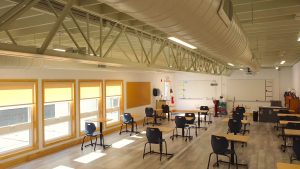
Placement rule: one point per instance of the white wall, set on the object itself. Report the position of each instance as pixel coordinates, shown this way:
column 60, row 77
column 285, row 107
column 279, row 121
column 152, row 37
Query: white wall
column 296, row 77
column 282, row 80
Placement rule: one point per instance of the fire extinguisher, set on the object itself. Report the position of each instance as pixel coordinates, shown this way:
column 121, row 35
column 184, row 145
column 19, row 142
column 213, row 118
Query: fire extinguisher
column 172, row 100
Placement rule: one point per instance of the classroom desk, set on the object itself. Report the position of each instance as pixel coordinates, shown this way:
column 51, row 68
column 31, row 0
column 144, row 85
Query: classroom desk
column 287, row 166
column 243, row 121
column 101, row 121
column 190, row 111
column 235, row 138
column 155, row 116
column 284, row 115
column 285, row 122
column 289, row 133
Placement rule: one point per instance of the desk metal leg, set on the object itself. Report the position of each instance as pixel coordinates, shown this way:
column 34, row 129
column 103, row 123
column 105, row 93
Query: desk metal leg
column 199, row 126
column 102, row 137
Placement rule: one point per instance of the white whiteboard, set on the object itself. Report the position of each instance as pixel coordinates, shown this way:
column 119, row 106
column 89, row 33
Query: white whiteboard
column 246, row 90
column 196, row 89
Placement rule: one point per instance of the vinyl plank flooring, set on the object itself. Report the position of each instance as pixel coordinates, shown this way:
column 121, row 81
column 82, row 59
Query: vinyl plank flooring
column 262, row 151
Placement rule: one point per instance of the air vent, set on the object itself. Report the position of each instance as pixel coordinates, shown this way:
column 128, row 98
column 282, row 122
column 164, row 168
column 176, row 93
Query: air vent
column 226, row 11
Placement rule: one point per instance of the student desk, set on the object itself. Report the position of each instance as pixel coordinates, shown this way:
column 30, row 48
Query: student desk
column 289, row 133
column 232, row 139
column 101, row 121
column 284, row 115
column 190, row 111
column 287, row 166
column 285, row 122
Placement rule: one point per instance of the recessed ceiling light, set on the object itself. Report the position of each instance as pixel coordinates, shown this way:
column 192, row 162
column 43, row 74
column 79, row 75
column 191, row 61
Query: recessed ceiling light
column 182, row 42
column 230, row 64
column 276, row 67
column 282, row 62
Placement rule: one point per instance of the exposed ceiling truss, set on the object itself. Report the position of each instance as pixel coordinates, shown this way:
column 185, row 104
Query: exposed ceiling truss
column 38, row 27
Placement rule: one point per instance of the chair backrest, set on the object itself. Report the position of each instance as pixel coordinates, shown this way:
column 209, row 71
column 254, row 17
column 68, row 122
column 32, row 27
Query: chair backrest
column 204, row 108
column 296, row 147
column 192, row 115
column 234, row 125
column 295, row 126
column 291, row 118
column 165, row 108
column 237, row 115
column 240, row 110
column 127, row 118
column 219, row 144
column 154, row 135
column 180, row 121
column 90, row 128
column 149, row 111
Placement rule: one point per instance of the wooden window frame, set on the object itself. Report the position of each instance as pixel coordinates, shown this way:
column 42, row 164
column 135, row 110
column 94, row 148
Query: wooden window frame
column 121, row 103
column 34, row 120
column 72, row 113
column 100, row 102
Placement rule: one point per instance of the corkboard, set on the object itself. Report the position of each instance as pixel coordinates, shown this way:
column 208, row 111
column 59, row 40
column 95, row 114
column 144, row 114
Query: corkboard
column 138, row 94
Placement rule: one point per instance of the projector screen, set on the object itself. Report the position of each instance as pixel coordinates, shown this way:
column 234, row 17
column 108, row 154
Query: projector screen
column 246, row 90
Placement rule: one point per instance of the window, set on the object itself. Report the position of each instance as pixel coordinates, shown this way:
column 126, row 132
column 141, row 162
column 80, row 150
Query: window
column 113, row 100
column 90, row 101
column 18, row 131
column 59, row 111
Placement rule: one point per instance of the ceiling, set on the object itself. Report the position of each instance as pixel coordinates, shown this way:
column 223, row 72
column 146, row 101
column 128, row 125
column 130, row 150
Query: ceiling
column 272, row 27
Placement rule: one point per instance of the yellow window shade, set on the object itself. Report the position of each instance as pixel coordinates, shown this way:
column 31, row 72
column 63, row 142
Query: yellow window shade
column 113, row 88
column 16, row 93
column 90, row 90
column 58, row 91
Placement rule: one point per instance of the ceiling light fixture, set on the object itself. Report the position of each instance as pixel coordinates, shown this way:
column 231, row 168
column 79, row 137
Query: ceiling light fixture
column 230, row 64
column 60, row 50
column 241, row 69
column 282, row 62
column 298, row 39
column 276, row 67
column 182, row 42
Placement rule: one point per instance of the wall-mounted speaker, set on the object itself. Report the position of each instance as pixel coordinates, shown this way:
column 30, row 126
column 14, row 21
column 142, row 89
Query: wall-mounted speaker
column 156, row 92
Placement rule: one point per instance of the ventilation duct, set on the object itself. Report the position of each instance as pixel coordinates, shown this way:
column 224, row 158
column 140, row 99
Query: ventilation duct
column 208, row 24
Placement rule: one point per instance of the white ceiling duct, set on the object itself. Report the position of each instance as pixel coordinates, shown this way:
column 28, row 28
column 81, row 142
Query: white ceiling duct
column 198, row 22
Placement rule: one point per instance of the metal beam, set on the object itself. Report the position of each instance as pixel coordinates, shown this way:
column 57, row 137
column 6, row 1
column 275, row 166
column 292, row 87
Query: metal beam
column 10, row 37
column 11, row 17
column 131, row 47
column 64, row 26
column 83, row 35
column 56, row 26
column 113, row 43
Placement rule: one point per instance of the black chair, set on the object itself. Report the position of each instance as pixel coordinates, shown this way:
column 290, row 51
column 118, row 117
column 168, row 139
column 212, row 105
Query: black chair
column 180, row 122
column 154, row 136
column 205, row 108
column 128, row 119
column 240, row 110
column 149, row 115
column 166, row 110
column 220, row 145
column 296, row 150
column 89, row 131
column 192, row 121
column 234, row 126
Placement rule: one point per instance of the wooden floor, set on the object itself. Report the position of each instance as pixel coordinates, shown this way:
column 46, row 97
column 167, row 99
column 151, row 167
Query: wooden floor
column 262, row 152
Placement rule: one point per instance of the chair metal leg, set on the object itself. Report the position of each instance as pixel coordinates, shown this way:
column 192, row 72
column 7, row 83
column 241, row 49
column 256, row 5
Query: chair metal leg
column 160, row 150
column 229, row 162
column 82, row 143
column 209, row 160
column 217, row 160
column 144, row 150
column 121, row 129
column 236, row 161
column 166, row 148
column 91, row 141
column 95, row 144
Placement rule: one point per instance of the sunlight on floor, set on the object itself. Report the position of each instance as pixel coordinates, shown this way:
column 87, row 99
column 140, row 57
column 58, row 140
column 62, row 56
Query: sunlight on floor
column 90, row 157
column 136, row 136
column 122, row 143
column 62, row 167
